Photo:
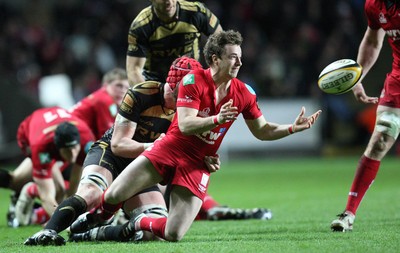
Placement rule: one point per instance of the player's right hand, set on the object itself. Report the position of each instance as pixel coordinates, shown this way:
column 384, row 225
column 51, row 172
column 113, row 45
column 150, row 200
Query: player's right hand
column 359, row 94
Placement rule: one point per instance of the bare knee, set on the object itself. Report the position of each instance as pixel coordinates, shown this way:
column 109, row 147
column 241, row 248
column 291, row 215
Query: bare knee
column 174, row 236
column 90, row 194
column 379, row 144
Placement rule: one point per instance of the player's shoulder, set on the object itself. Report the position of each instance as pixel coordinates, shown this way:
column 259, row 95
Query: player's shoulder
column 373, row 4
column 147, row 88
column 194, row 77
column 192, row 6
column 244, row 88
column 143, row 18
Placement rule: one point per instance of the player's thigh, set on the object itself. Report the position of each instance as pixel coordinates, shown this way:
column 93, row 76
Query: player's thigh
column 137, row 176
column 22, row 174
column 184, row 206
column 148, row 197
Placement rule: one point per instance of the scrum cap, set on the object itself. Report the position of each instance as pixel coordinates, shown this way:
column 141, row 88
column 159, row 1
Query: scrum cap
column 179, row 68
column 66, row 135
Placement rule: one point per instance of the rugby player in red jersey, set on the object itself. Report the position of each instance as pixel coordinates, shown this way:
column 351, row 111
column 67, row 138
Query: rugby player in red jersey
column 47, row 136
column 208, row 103
column 99, row 108
column 383, row 19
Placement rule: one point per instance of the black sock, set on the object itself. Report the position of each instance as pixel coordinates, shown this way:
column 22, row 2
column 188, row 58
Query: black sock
column 5, row 178
column 66, row 213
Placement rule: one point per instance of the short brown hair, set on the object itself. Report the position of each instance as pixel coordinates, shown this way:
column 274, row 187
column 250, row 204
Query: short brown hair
column 115, row 74
column 216, row 43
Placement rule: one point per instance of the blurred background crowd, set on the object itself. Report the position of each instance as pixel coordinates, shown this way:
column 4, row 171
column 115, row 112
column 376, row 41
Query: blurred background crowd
column 286, row 44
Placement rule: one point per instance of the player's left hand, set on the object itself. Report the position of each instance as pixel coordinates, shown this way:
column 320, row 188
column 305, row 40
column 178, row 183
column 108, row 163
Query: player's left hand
column 213, row 163
column 302, row 123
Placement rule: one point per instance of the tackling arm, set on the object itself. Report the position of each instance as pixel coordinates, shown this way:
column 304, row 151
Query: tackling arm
column 121, row 141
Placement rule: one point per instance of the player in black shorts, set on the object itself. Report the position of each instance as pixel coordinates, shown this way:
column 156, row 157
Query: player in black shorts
column 164, row 31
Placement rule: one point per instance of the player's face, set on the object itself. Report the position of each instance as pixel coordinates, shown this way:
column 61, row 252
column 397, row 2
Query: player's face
column 230, row 61
column 170, row 97
column 70, row 154
column 165, row 9
column 117, row 90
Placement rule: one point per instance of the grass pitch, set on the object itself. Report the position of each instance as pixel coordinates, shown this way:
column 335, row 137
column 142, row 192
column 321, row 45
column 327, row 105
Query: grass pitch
column 304, row 194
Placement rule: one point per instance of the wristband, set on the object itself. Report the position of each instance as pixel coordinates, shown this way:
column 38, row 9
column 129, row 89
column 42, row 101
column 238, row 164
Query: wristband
column 291, row 129
column 215, row 120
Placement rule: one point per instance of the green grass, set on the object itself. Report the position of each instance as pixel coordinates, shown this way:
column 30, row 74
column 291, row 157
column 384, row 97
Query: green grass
column 304, row 195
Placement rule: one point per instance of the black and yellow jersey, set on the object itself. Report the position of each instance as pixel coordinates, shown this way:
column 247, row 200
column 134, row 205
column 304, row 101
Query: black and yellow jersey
column 162, row 43
column 143, row 104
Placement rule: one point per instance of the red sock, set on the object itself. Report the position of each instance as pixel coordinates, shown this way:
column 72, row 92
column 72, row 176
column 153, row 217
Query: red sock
column 107, row 209
column 208, row 203
column 40, row 216
column 365, row 175
column 33, row 191
column 154, row 225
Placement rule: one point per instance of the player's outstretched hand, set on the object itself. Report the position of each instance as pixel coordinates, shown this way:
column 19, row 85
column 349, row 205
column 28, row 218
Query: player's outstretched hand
column 302, row 123
column 227, row 112
column 361, row 96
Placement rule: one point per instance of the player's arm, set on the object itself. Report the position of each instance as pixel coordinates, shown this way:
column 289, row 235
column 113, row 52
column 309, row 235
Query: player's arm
column 134, row 68
column 121, row 141
column 368, row 53
column 74, row 179
column 47, row 193
column 189, row 123
column 58, row 181
column 267, row 131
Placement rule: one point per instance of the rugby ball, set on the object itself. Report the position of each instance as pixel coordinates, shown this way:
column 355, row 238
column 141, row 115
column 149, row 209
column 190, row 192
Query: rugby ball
column 339, row 76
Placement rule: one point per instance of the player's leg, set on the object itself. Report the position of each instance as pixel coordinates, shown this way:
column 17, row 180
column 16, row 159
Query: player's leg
column 150, row 202
column 386, row 131
column 184, row 206
column 212, row 210
column 15, row 180
column 137, row 176
column 21, row 175
column 95, row 180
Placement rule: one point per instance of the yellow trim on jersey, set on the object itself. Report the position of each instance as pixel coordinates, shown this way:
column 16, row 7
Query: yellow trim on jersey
column 157, row 110
column 181, row 27
column 143, row 18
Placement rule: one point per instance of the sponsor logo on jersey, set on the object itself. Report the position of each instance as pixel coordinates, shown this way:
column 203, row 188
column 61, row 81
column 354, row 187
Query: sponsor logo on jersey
column 186, row 99
column 132, row 43
column 188, row 79
column 44, row 158
column 213, row 21
column 393, row 34
column 127, row 103
column 203, row 183
column 205, row 112
column 210, row 137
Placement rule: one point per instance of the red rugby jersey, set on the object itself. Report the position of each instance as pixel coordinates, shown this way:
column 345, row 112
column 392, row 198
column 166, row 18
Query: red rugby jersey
column 98, row 110
column 36, row 133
